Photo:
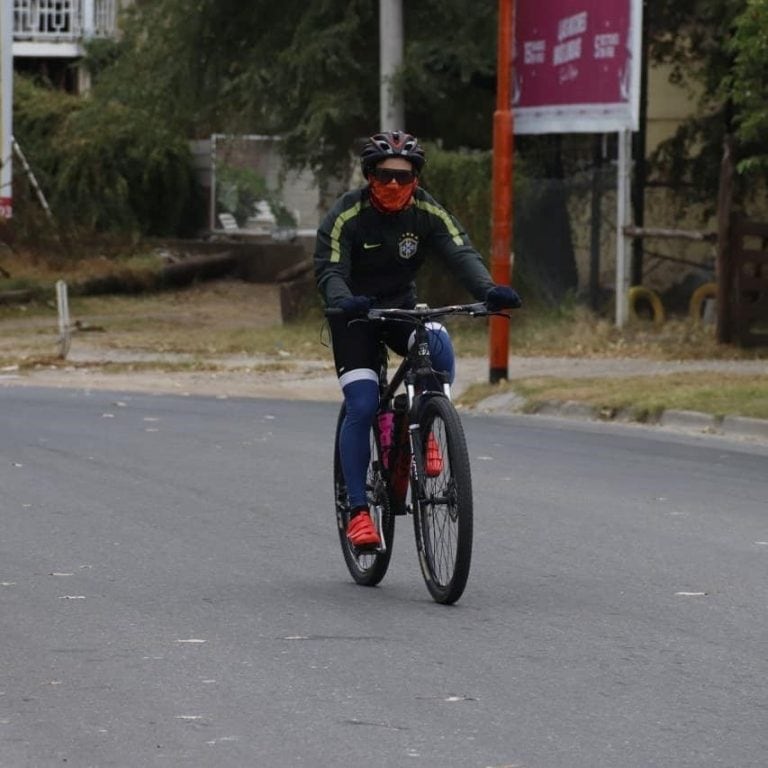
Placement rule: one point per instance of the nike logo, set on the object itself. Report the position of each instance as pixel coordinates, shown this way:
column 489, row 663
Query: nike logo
column 368, row 246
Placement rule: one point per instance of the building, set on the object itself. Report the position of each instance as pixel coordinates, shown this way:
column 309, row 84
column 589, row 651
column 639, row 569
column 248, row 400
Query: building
column 49, row 36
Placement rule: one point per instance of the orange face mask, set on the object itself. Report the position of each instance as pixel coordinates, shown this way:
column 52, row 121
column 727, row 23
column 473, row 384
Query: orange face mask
column 391, row 198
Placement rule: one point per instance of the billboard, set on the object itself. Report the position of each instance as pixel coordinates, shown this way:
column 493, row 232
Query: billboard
column 576, row 66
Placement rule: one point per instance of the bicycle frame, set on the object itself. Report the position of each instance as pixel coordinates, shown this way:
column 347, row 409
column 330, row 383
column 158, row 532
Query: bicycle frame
column 415, row 370
column 417, row 364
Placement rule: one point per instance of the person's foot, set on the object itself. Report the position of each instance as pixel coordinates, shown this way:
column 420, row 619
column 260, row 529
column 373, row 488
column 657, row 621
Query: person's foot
column 434, row 457
column 361, row 532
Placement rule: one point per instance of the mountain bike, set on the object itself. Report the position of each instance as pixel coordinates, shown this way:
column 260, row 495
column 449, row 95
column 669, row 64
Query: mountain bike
column 419, row 464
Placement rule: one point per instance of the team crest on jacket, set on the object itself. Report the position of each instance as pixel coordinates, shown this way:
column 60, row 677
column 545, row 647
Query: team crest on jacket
column 408, row 245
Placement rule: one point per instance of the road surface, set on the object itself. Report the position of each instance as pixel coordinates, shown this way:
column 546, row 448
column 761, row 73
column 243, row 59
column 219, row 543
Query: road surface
column 172, row 593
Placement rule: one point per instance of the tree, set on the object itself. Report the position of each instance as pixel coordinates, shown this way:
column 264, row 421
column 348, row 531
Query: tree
column 202, row 67
column 696, row 38
column 308, row 71
column 748, row 83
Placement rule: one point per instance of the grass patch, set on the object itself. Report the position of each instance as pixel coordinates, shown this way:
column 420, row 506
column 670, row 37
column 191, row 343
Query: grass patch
column 644, row 397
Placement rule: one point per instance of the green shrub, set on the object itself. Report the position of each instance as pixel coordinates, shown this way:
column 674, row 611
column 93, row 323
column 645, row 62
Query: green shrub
column 104, row 167
column 461, row 182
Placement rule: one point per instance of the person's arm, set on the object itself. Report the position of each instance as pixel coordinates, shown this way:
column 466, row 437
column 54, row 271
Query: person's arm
column 332, row 256
column 450, row 242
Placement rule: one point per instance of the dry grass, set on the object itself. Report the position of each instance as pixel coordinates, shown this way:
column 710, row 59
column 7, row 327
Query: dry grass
column 577, row 332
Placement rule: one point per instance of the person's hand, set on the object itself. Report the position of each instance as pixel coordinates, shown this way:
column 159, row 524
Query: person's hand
column 502, row 297
column 355, row 306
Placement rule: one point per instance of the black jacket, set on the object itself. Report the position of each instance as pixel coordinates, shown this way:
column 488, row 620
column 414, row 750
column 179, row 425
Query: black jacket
column 363, row 252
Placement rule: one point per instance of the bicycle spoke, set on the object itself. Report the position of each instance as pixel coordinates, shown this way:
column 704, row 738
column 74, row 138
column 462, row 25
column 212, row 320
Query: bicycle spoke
column 444, row 525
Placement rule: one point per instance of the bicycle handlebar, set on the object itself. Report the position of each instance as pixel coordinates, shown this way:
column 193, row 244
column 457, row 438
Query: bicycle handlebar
column 477, row 309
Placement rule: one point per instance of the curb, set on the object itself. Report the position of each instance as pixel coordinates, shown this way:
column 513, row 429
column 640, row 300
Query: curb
column 689, row 421
column 745, row 427
column 703, row 422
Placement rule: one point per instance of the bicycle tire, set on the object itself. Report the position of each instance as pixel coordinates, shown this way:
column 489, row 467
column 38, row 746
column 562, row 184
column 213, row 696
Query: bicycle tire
column 366, row 568
column 442, row 504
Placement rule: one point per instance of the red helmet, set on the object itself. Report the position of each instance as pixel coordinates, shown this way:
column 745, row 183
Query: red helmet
column 380, row 146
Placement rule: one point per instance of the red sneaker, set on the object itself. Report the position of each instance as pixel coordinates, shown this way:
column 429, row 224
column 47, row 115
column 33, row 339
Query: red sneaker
column 434, row 462
column 361, row 531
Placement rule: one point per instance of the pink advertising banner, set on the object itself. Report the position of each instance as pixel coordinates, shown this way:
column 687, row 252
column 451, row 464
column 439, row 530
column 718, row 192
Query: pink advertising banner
column 576, row 66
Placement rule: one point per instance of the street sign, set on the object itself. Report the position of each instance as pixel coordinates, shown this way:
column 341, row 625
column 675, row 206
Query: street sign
column 577, row 66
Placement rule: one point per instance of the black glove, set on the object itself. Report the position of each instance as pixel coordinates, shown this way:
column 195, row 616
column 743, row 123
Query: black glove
column 502, row 297
column 355, row 306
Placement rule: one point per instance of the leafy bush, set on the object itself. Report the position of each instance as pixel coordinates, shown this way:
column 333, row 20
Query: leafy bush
column 104, row 167
column 461, row 182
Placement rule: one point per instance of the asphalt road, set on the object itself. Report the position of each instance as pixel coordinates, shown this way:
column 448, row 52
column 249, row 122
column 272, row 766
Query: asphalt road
column 172, row 594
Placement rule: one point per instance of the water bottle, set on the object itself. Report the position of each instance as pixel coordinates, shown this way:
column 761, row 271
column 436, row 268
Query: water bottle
column 386, row 428
column 401, row 451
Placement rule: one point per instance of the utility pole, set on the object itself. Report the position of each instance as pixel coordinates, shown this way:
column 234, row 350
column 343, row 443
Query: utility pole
column 503, row 146
column 392, row 111
column 6, row 109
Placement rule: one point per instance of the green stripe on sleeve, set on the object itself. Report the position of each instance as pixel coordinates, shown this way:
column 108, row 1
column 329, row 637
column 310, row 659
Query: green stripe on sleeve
column 436, row 210
column 341, row 220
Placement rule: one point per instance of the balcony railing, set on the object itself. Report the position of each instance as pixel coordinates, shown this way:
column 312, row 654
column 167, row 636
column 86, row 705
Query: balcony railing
column 63, row 20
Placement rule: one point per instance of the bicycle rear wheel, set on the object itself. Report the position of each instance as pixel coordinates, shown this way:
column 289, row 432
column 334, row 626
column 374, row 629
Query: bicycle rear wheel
column 367, row 568
column 443, row 504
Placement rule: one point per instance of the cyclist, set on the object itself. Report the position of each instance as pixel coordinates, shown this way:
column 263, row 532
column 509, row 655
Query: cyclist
column 368, row 250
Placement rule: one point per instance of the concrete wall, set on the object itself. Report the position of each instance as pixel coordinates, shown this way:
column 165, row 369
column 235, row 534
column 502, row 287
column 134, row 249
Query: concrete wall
column 668, row 105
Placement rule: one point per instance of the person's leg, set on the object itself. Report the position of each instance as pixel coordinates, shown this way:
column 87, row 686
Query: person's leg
column 355, row 350
column 361, row 397
column 441, row 350
column 400, row 337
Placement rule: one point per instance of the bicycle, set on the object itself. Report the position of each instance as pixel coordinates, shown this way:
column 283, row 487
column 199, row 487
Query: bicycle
column 417, row 444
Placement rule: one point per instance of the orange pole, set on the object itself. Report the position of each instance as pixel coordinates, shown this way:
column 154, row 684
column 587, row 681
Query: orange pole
column 503, row 147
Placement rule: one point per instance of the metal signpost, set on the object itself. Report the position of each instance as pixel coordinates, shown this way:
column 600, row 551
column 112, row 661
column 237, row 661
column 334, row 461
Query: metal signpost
column 6, row 108
column 392, row 108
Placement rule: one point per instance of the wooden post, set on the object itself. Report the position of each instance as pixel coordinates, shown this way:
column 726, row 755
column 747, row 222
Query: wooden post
column 724, row 224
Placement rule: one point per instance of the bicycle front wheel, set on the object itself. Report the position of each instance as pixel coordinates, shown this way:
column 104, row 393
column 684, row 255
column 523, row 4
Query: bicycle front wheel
column 443, row 502
column 366, row 567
